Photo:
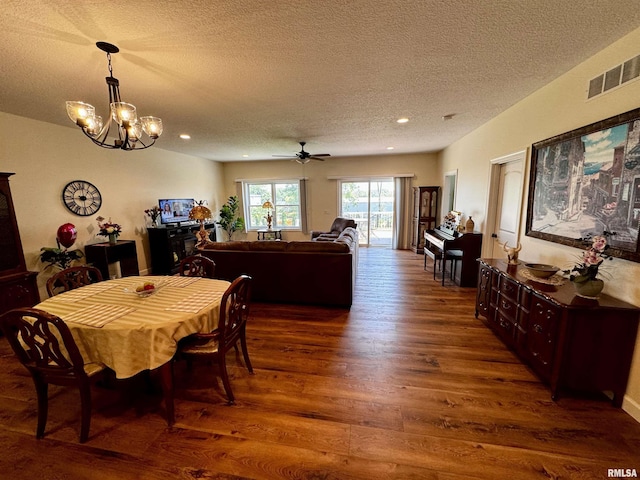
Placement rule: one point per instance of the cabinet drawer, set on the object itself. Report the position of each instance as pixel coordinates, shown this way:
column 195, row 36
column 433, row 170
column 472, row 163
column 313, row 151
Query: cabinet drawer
column 509, row 288
column 524, row 308
column 507, row 307
column 504, row 327
column 541, row 336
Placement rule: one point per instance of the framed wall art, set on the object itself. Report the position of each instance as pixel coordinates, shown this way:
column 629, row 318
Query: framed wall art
column 587, row 181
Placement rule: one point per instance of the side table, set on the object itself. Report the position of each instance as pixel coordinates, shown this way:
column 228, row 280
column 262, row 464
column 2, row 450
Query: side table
column 101, row 255
column 270, row 234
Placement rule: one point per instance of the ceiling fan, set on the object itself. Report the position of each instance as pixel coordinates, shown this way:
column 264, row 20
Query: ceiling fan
column 303, row 156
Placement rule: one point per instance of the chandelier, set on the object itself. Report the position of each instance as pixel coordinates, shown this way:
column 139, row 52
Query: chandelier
column 129, row 126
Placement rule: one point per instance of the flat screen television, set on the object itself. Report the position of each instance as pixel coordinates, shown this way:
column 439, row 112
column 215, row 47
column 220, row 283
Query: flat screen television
column 175, row 210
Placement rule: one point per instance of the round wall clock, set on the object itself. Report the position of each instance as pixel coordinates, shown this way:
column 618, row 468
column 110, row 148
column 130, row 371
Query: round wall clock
column 81, row 198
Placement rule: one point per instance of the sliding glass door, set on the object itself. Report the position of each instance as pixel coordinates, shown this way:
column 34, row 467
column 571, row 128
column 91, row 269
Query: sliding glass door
column 370, row 204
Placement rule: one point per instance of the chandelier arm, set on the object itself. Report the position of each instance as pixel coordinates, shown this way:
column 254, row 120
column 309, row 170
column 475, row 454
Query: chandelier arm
column 100, row 143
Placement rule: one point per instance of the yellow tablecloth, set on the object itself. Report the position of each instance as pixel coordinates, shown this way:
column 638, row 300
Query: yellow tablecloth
column 129, row 333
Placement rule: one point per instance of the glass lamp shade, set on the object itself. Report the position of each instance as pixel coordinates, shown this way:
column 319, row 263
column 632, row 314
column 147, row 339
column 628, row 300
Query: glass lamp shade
column 200, row 212
column 124, row 113
column 268, row 205
column 94, row 126
column 152, row 126
column 79, row 112
column 135, row 131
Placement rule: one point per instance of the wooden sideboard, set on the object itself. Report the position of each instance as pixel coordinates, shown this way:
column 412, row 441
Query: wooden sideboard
column 18, row 287
column 571, row 343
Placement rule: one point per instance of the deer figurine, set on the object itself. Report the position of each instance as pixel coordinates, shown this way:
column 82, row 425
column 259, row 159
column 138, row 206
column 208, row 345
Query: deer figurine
column 512, row 253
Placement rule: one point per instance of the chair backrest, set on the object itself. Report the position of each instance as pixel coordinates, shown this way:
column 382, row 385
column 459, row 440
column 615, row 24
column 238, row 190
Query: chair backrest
column 197, row 266
column 72, row 277
column 43, row 343
column 234, row 312
column 340, row 223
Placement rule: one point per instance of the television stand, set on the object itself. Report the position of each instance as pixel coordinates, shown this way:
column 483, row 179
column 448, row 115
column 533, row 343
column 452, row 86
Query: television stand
column 170, row 244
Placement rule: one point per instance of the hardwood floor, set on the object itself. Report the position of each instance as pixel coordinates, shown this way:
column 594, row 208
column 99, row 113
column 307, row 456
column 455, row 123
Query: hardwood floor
column 408, row 384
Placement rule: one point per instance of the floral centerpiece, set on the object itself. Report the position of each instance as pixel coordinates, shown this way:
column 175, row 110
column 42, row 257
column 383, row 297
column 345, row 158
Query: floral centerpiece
column 153, row 213
column 109, row 229
column 584, row 273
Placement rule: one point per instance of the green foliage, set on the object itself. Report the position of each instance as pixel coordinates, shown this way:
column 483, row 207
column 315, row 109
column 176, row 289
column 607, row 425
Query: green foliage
column 229, row 219
column 59, row 257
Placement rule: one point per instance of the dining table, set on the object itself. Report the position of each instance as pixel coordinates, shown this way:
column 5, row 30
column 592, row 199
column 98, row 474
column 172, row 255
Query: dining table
column 129, row 331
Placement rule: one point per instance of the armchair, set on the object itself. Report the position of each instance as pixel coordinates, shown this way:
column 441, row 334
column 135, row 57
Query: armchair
column 338, row 225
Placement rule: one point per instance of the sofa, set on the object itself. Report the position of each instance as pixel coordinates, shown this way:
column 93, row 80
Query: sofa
column 302, row 272
column 337, row 227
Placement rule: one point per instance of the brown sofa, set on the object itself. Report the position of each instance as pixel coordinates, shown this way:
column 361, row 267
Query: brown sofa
column 337, row 227
column 318, row 273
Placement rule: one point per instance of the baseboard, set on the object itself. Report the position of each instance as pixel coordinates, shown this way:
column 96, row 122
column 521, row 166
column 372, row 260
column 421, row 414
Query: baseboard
column 631, row 407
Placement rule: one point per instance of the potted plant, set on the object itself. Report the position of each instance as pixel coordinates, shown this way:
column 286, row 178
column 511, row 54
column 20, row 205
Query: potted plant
column 229, row 219
column 58, row 257
column 61, row 257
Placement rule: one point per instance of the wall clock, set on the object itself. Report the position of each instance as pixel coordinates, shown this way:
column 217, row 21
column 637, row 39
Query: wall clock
column 81, row 198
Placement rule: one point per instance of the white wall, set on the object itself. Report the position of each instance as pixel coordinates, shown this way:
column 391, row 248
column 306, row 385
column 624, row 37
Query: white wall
column 323, row 192
column 45, row 157
column 555, row 109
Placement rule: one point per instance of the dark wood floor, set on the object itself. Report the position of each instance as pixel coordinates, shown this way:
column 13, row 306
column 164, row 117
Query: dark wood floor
column 405, row 385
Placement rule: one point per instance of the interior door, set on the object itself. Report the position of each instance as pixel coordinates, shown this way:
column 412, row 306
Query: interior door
column 508, row 206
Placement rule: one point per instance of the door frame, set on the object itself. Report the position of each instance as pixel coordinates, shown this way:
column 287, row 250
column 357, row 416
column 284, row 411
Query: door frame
column 369, row 180
column 494, row 191
column 447, row 187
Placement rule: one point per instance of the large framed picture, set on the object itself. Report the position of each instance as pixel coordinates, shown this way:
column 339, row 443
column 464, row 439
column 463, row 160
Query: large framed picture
column 587, row 181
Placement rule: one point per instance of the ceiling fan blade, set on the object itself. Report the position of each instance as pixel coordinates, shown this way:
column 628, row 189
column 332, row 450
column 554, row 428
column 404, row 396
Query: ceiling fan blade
column 285, row 156
column 314, row 157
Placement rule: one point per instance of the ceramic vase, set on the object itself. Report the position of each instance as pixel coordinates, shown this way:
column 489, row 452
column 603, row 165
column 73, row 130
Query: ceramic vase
column 589, row 289
column 469, row 226
column 113, row 239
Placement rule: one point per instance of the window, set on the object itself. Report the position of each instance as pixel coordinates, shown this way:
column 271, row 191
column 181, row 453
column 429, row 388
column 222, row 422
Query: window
column 286, row 198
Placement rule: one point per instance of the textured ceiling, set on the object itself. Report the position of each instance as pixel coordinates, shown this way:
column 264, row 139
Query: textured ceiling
column 253, row 77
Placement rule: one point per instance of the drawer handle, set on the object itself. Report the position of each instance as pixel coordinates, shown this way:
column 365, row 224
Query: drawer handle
column 537, row 328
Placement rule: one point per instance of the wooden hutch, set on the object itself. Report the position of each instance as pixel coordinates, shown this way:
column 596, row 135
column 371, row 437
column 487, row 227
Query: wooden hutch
column 425, row 214
column 18, row 287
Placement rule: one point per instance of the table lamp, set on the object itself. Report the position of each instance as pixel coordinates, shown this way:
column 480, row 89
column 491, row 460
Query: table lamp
column 269, row 206
column 201, row 213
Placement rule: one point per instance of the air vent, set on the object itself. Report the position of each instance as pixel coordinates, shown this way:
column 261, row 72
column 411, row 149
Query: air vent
column 615, row 77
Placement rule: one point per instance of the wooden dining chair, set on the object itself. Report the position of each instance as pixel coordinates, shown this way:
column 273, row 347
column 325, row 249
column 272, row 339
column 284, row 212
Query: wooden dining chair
column 44, row 345
column 71, row 278
column 197, row 266
column 234, row 312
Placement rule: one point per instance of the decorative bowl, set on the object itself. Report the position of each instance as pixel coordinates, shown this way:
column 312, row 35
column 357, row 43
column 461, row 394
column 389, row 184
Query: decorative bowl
column 147, row 292
column 541, row 270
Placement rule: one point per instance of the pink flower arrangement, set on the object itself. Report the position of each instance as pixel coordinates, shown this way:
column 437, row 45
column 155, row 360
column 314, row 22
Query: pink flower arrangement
column 592, row 258
column 153, row 213
column 108, row 228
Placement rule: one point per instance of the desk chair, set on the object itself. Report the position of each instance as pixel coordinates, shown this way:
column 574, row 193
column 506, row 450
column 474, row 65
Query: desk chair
column 44, row 345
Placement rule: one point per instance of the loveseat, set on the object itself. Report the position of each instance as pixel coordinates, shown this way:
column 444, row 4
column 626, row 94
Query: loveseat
column 307, row 272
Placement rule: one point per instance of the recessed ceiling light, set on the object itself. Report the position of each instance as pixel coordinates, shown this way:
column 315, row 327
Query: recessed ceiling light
column 448, row 116
column 184, row 136
column 402, row 120
column 391, row 148
column 245, row 156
